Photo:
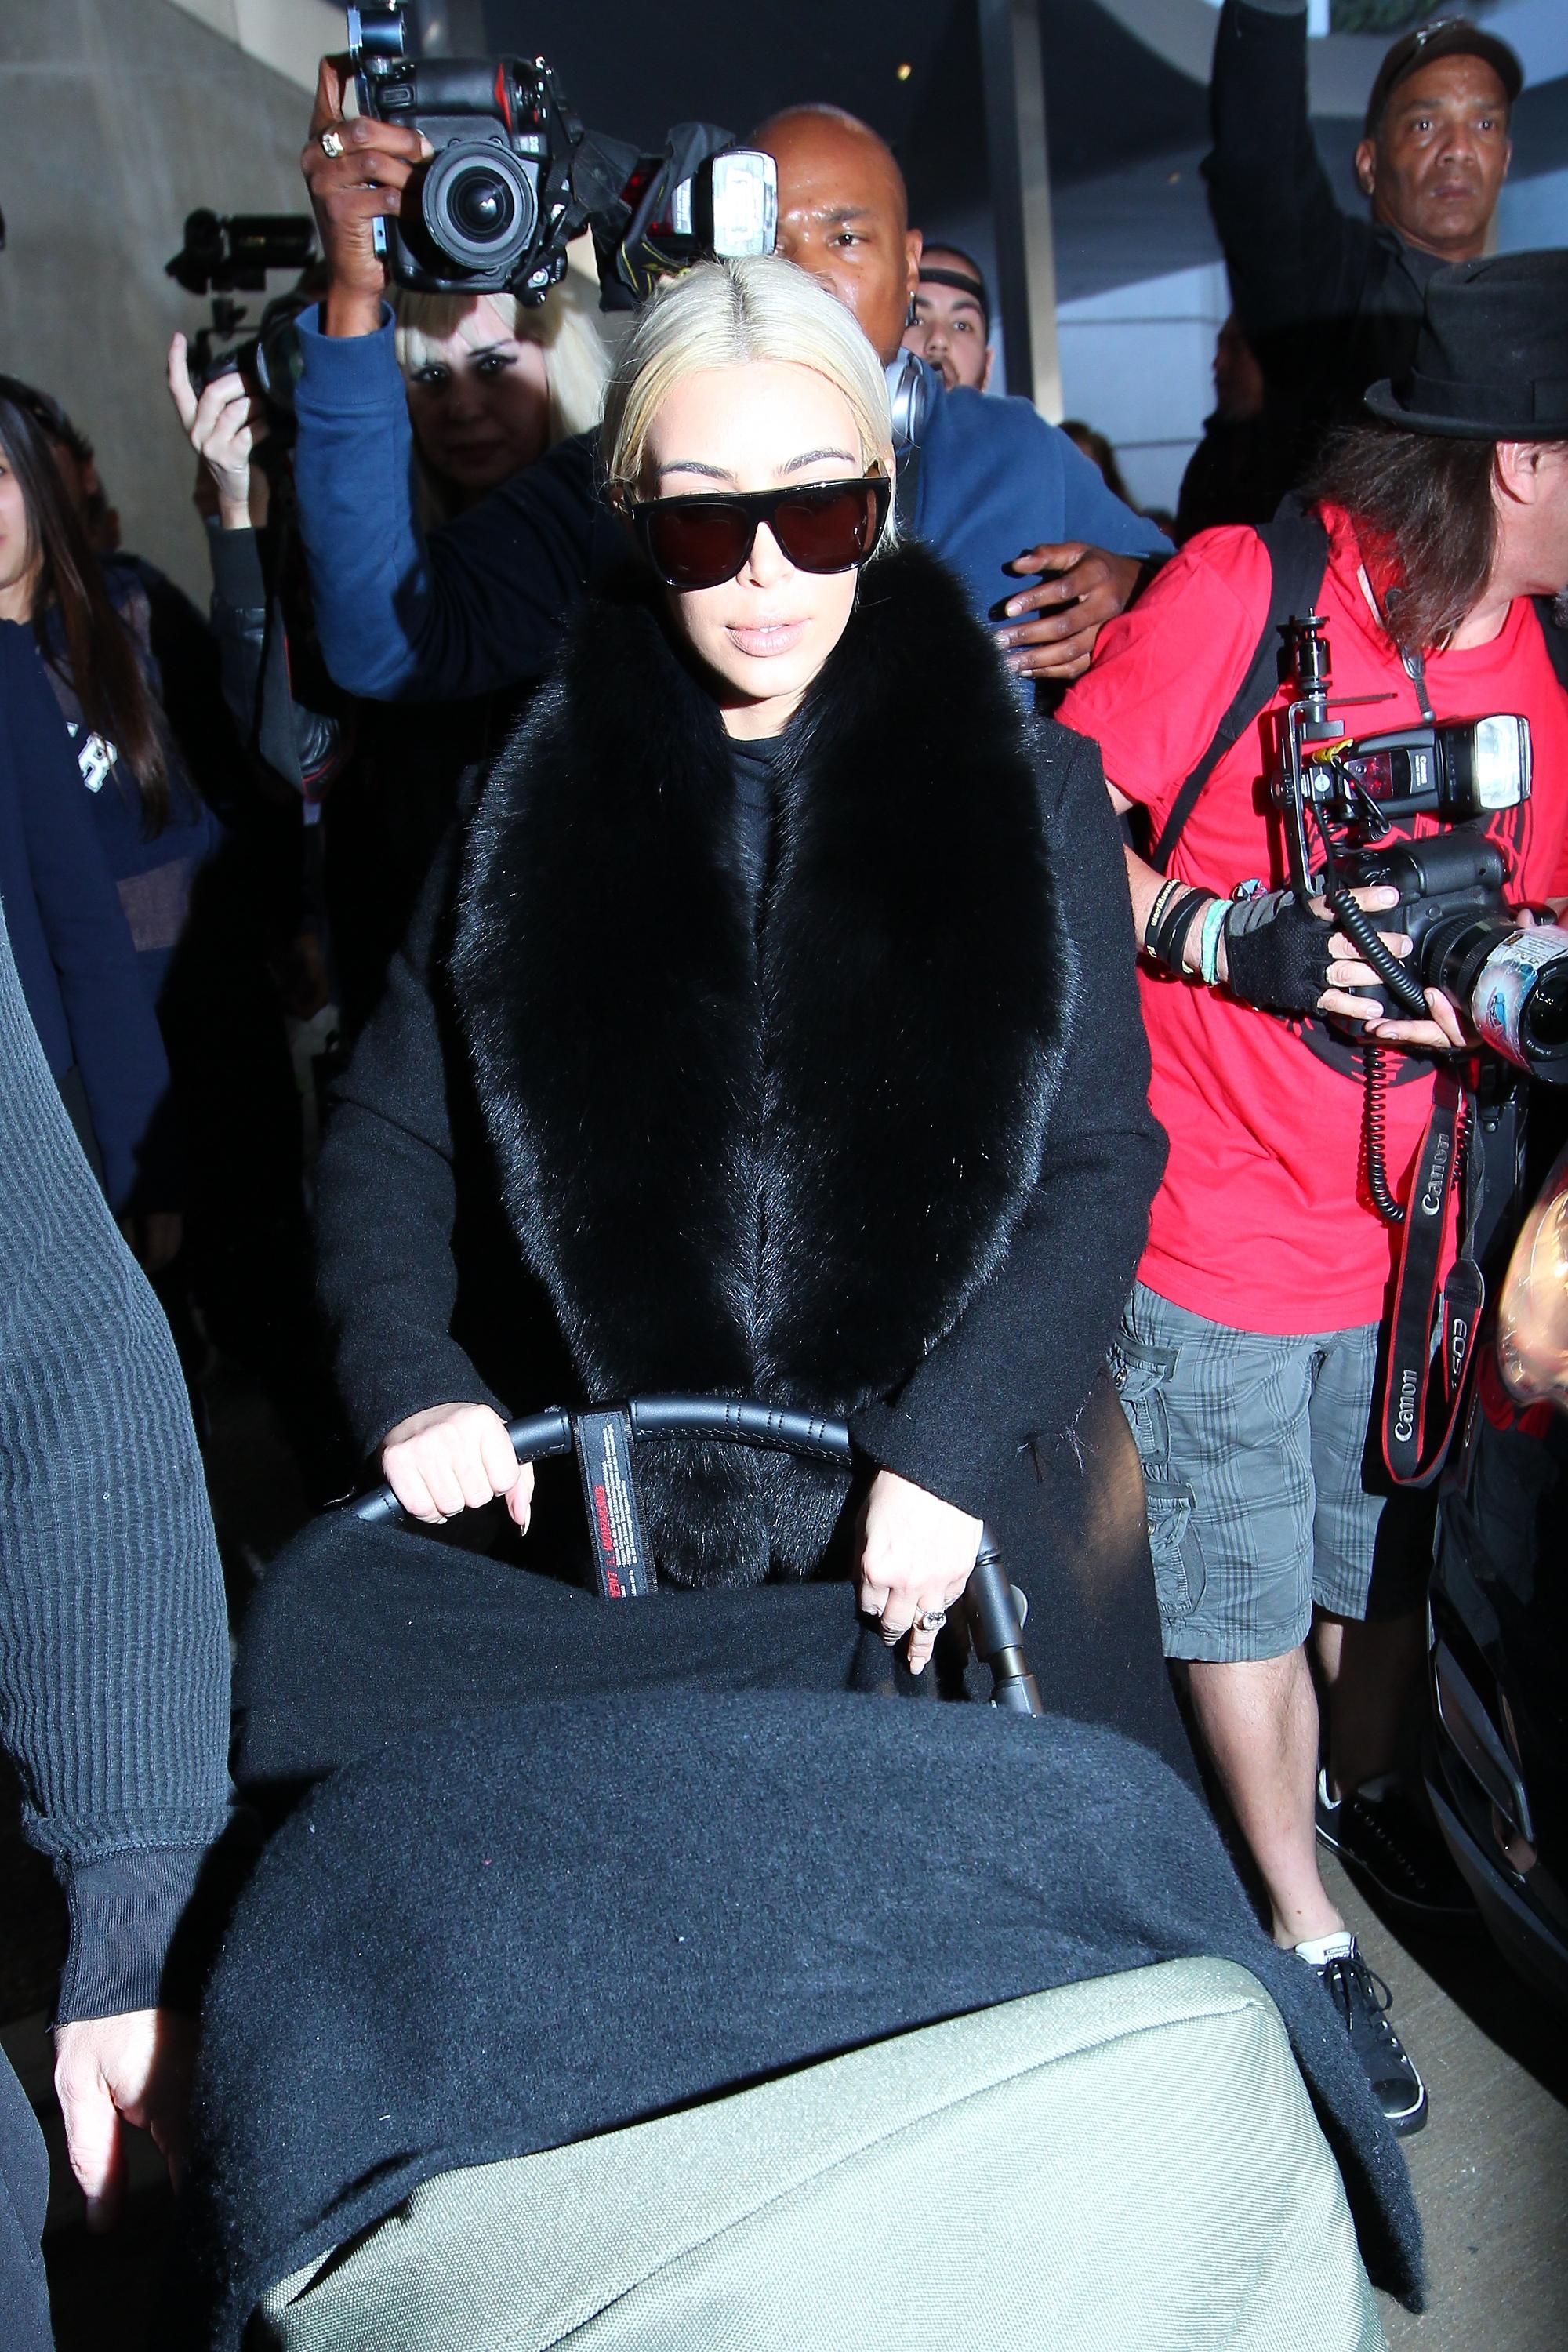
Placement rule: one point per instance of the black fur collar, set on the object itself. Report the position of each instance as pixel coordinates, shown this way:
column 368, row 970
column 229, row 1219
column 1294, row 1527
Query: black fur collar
column 780, row 1165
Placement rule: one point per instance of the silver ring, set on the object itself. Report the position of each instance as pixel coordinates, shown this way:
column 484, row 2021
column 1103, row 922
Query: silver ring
column 331, row 144
column 932, row 1621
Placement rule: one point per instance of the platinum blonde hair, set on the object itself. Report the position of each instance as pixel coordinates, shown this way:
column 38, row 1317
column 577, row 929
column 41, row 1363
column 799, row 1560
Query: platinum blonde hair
column 724, row 314
column 577, row 361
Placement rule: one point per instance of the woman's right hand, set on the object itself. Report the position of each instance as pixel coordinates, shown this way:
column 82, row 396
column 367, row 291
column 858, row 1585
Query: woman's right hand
column 221, row 428
column 456, row 1457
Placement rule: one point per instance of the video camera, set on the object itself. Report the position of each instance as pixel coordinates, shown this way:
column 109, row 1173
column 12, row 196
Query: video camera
column 515, row 177
column 1450, row 883
column 222, row 256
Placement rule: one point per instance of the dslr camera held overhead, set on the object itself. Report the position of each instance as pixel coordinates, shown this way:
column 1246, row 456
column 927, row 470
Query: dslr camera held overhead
column 514, row 177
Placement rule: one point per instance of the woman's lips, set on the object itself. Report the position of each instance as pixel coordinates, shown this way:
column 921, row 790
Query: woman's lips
column 458, row 455
column 764, row 639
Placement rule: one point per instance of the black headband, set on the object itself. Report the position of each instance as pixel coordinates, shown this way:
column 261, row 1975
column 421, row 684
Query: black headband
column 964, row 285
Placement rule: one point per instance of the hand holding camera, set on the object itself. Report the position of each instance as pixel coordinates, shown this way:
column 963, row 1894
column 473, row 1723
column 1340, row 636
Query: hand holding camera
column 1284, row 957
column 223, row 424
column 356, row 172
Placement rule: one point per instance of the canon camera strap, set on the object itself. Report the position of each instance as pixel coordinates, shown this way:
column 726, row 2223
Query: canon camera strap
column 1434, row 1324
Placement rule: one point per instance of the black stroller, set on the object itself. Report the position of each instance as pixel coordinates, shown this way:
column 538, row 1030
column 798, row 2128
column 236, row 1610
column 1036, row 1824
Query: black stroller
column 680, row 2007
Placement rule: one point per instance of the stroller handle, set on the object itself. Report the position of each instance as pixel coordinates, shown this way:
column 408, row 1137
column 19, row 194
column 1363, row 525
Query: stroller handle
column 994, row 1619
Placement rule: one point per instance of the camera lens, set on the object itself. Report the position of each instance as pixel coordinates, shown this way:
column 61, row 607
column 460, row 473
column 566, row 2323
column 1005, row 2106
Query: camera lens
column 480, row 208
column 481, row 205
column 1545, row 1021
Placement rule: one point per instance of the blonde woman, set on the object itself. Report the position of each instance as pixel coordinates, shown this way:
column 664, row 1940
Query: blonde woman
column 779, row 1041
column 493, row 383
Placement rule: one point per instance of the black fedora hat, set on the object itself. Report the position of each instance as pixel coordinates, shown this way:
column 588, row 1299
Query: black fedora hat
column 1491, row 356
column 1446, row 37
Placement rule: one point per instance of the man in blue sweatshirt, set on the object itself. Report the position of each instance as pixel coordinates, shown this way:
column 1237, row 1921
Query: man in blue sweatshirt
column 1004, row 498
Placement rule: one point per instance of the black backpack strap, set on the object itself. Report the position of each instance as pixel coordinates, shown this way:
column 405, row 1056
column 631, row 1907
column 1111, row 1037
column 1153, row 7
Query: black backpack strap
column 1298, row 549
column 1556, row 638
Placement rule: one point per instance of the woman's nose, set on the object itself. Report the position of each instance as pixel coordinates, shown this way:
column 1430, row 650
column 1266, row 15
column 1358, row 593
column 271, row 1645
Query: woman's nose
column 767, row 561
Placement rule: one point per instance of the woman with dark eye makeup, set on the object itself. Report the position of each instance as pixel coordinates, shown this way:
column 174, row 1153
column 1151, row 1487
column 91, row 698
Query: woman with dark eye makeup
column 493, row 383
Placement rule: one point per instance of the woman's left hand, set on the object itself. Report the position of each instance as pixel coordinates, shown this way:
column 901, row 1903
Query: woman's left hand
column 917, row 1554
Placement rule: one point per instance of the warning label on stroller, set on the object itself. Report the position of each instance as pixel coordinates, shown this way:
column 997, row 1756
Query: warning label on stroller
column 622, row 1568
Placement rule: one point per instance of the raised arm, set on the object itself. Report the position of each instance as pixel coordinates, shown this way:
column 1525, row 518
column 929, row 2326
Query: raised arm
column 1292, row 253
column 481, row 606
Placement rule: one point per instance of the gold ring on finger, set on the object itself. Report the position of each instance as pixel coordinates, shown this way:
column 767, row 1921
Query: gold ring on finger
column 333, row 144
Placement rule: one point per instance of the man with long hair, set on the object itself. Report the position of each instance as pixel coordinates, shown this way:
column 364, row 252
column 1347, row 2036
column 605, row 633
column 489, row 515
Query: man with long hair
column 1249, row 1352
column 1329, row 299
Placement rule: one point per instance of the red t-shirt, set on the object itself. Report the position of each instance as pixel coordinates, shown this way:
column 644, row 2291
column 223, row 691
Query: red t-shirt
column 1261, row 1222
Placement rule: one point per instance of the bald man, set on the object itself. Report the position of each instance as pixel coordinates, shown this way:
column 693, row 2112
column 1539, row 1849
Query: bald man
column 1043, row 548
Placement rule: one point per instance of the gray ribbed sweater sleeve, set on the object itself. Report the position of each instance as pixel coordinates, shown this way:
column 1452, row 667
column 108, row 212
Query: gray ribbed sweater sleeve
column 113, row 1637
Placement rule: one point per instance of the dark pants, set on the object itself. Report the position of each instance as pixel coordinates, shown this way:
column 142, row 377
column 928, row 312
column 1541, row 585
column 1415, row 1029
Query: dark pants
column 24, row 2194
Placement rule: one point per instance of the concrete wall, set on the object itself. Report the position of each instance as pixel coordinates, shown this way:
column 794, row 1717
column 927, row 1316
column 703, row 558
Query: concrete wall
column 118, row 118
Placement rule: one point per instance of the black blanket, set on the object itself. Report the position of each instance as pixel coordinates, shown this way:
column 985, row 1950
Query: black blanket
column 553, row 1920
column 360, row 1636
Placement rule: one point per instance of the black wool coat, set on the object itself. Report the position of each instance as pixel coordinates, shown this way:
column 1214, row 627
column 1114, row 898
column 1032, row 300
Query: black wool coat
column 884, row 1150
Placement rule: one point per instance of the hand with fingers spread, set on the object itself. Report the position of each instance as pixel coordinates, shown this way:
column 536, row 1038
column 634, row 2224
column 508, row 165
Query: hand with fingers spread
column 917, row 1554
column 1086, row 588
column 356, row 171
column 223, row 425
column 452, row 1458
column 112, row 2070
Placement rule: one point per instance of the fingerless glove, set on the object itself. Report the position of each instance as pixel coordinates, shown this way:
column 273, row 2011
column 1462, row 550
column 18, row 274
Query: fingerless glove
column 1277, row 952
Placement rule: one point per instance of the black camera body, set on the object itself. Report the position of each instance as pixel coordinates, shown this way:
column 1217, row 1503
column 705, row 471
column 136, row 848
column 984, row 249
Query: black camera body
column 492, row 209
column 1448, row 883
column 515, row 177
column 226, row 254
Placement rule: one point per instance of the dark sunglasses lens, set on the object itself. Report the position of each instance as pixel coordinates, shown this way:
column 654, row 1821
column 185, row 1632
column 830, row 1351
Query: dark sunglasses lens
column 826, row 529
column 697, row 542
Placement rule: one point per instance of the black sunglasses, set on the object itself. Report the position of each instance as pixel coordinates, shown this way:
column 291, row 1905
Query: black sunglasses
column 697, row 542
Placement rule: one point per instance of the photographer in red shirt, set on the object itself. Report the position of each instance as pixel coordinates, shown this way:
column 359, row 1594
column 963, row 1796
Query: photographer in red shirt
column 1249, row 1357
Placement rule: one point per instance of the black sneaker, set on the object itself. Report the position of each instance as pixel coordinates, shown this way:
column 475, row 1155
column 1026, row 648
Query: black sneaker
column 1362, row 2001
column 1384, row 1836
